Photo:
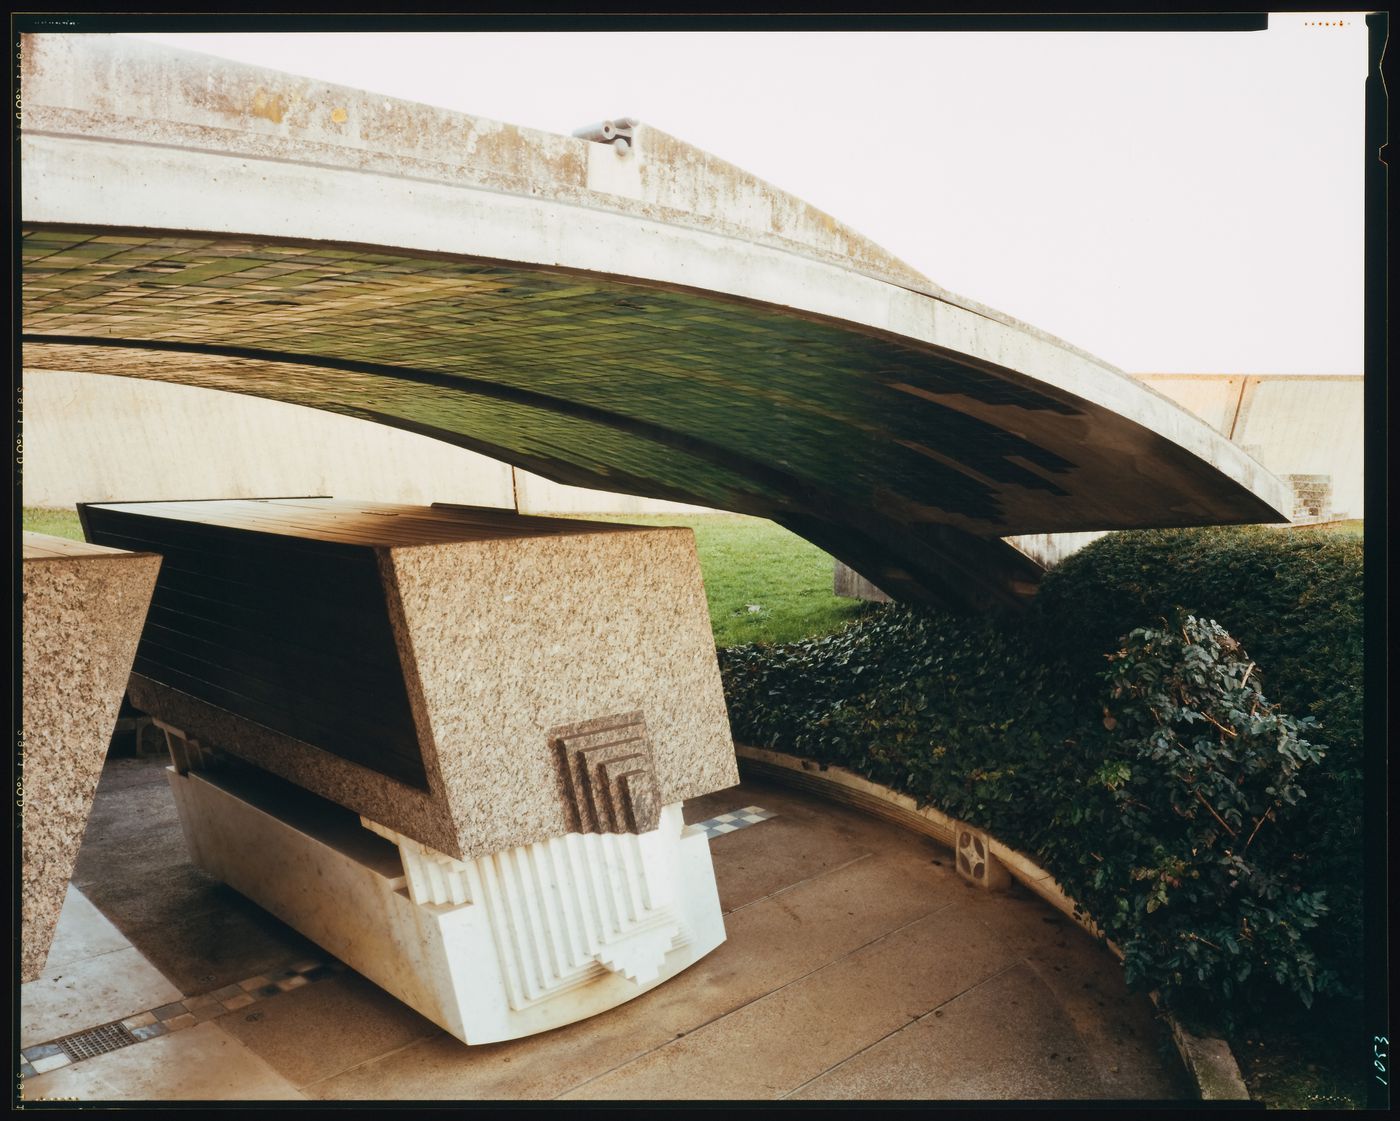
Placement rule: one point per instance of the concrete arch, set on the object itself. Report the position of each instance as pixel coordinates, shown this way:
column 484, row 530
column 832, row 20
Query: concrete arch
column 657, row 322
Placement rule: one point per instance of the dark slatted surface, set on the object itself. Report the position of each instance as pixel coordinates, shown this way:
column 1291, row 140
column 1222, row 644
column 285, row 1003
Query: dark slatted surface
column 277, row 625
column 346, row 522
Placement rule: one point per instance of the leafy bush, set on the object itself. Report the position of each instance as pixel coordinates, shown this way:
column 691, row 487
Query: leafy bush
column 1197, row 877
column 1293, row 599
column 1010, row 724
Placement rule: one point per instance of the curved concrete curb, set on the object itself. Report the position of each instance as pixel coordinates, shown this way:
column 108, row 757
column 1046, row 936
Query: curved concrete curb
column 1210, row 1062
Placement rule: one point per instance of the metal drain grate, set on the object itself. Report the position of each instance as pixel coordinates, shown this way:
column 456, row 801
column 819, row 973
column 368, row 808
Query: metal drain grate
column 97, row 1041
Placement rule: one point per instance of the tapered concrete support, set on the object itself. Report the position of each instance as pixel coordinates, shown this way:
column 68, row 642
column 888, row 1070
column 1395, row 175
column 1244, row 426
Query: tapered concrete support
column 495, row 948
column 84, row 606
column 847, row 582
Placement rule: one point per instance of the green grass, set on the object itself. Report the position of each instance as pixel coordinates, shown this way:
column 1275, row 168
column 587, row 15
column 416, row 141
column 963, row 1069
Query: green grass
column 56, row 523
column 1351, row 528
column 762, row 583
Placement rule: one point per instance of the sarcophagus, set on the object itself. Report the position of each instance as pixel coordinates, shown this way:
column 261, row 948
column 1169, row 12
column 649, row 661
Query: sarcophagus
column 518, row 704
column 83, row 610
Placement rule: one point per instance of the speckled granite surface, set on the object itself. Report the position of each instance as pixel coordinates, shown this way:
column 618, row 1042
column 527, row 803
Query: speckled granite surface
column 83, row 611
column 503, row 639
column 512, row 638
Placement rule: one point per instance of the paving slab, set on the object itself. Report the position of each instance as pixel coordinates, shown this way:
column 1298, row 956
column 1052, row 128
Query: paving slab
column 1124, row 1035
column 770, row 943
column 71, row 997
column 82, row 932
column 201, row 1063
column 783, row 1040
column 857, row 964
column 787, row 850
column 711, row 805
column 351, row 1019
column 134, row 867
column 204, row 950
column 140, row 811
column 1007, row 1038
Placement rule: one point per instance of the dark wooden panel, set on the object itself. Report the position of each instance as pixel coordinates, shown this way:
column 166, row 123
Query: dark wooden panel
column 268, row 592
column 289, row 632
column 329, row 521
column 339, row 685
column 291, row 722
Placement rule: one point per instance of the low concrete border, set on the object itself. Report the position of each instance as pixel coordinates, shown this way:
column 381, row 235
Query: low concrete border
column 1210, row 1062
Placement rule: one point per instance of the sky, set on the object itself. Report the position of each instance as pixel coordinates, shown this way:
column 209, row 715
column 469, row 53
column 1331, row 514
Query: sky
column 1172, row 202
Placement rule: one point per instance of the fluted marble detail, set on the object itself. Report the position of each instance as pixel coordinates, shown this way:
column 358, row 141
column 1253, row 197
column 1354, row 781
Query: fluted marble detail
column 499, row 947
column 562, row 911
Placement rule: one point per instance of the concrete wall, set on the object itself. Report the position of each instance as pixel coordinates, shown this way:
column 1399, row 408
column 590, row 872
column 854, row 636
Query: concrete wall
column 535, row 495
column 1049, row 549
column 1308, row 430
column 90, row 438
column 1292, row 424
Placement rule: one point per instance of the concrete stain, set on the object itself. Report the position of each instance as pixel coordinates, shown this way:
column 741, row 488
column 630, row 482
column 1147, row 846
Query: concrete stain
column 268, row 105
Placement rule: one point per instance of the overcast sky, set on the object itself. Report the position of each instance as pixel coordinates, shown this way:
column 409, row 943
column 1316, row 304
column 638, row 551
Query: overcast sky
column 1182, row 202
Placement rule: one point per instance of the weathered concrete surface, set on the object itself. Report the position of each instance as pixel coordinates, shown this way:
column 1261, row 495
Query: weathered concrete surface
column 1308, row 430
column 83, row 611
column 97, row 439
column 537, row 495
column 846, row 581
column 672, row 328
column 1292, row 424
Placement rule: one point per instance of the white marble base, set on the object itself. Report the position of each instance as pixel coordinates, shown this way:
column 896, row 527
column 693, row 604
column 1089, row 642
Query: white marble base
column 505, row 946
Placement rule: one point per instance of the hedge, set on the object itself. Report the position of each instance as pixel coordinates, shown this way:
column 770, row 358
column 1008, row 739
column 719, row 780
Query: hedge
column 1013, row 724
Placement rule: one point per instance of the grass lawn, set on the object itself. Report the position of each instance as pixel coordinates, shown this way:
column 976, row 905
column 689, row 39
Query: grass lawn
column 763, row 583
column 56, row 523
column 1351, row 528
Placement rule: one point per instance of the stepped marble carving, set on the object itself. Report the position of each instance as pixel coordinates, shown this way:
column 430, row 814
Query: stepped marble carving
column 493, row 948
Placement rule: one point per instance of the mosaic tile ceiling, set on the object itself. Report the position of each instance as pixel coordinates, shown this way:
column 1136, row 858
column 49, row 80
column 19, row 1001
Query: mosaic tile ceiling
column 852, row 439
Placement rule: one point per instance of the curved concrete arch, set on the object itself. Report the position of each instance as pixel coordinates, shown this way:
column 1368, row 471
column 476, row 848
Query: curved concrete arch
column 659, row 322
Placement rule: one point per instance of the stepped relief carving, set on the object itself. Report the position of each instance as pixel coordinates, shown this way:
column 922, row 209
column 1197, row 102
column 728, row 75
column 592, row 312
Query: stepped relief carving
column 608, row 774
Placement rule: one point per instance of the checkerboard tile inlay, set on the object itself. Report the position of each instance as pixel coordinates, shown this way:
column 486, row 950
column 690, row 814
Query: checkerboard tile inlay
column 734, row 819
column 181, row 1014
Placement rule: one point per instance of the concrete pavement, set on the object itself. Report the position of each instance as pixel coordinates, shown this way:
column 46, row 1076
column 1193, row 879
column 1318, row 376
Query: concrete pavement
column 857, row 965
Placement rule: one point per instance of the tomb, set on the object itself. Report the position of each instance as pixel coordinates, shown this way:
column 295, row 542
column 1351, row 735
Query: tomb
column 447, row 743
column 83, row 608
